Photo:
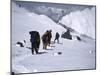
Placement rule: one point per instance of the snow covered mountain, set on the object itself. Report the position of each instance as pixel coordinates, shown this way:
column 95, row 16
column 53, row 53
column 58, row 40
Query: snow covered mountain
column 81, row 21
column 74, row 54
column 24, row 21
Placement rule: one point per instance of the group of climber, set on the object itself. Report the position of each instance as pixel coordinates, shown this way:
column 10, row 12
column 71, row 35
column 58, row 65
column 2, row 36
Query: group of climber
column 46, row 40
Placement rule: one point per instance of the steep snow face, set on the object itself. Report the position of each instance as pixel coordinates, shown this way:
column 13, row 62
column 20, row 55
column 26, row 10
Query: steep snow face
column 23, row 21
column 81, row 21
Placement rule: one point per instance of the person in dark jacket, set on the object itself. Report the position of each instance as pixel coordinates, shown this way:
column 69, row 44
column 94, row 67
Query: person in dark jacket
column 57, row 37
column 35, row 41
column 67, row 35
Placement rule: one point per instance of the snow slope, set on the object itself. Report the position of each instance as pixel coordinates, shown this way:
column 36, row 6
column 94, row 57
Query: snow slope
column 24, row 21
column 75, row 54
column 82, row 21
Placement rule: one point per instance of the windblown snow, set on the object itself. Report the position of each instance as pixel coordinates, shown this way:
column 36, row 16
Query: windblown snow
column 75, row 54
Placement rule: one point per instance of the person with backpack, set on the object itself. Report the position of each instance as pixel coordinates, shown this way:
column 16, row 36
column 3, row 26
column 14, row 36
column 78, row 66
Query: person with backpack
column 45, row 39
column 49, row 37
column 57, row 37
column 35, row 41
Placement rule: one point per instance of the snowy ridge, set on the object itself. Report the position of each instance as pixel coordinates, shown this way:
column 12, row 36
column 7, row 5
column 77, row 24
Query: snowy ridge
column 82, row 21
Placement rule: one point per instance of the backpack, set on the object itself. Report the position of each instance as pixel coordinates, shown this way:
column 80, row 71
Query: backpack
column 34, row 36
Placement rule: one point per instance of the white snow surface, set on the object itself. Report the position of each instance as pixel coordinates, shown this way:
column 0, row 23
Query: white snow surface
column 75, row 54
column 82, row 21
